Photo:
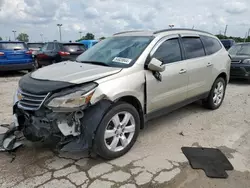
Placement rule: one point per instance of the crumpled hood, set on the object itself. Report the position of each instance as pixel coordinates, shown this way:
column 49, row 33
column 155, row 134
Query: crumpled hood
column 74, row 72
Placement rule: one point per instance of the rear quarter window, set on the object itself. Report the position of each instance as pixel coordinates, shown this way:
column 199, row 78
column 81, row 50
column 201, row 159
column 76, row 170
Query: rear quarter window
column 12, row 46
column 193, row 47
column 211, row 45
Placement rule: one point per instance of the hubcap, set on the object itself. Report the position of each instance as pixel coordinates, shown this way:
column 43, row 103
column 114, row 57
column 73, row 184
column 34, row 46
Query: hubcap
column 119, row 131
column 218, row 93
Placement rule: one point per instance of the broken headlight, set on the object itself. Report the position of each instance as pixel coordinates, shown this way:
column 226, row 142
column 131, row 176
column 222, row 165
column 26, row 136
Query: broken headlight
column 73, row 98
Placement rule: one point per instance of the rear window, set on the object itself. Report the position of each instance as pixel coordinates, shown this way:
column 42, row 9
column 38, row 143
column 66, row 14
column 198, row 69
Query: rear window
column 74, row 47
column 212, row 45
column 35, row 45
column 12, row 46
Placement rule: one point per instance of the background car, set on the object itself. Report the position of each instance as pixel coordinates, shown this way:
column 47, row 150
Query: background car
column 227, row 43
column 240, row 65
column 53, row 52
column 35, row 47
column 89, row 43
column 15, row 56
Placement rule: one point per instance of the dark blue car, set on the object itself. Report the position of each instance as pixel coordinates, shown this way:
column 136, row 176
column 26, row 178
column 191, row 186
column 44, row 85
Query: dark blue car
column 240, row 55
column 15, row 56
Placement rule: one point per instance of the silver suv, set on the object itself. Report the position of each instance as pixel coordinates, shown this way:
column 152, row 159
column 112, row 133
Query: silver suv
column 101, row 101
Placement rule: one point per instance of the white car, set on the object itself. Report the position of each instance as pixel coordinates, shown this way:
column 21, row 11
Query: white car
column 101, row 101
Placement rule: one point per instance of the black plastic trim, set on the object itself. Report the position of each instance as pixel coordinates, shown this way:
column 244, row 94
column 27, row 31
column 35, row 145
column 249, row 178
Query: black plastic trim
column 171, row 108
column 39, row 87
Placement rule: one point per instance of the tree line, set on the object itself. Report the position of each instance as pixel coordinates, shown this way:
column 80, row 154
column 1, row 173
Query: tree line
column 24, row 37
column 236, row 39
column 90, row 36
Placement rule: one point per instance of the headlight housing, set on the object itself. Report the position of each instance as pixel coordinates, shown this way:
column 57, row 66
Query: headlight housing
column 72, row 98
column 246, row 61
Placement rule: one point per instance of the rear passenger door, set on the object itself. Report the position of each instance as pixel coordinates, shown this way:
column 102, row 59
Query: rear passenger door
column 198, row 65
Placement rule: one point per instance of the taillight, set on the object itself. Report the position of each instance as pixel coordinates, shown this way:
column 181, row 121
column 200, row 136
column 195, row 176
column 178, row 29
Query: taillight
column 61, row 53
column 29, row 52
column 1, row 53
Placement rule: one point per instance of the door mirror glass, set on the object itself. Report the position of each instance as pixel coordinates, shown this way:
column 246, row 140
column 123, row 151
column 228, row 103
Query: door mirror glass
column 156, row 65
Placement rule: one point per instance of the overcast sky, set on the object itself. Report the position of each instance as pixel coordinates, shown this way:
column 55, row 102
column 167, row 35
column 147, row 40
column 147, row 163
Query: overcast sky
column 105, row 17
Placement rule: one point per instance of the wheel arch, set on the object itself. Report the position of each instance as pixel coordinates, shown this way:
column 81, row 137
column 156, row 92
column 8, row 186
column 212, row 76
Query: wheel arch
column 137, row 104
column 224, row 76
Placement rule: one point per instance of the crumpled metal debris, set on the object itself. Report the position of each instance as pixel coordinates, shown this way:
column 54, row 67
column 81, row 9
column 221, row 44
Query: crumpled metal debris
column 8, row 140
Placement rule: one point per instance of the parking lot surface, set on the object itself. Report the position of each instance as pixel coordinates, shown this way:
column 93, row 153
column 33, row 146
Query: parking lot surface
column 156, row 159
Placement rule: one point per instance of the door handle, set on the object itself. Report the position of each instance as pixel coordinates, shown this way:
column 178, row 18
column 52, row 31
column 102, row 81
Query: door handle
column 182, row 71
column 209, row 64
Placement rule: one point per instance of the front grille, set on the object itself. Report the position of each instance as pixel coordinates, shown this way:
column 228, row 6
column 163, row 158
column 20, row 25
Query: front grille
column 236, row 61
column 28, row 101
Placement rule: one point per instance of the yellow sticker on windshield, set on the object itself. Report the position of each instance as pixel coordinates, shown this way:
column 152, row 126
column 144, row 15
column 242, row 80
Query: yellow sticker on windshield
column 122, row 60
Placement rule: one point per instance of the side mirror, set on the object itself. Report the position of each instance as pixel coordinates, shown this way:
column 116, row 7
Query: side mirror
column 156, row 65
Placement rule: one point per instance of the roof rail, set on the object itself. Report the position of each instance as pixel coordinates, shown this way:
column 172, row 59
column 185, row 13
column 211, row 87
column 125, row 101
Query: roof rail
column 128, row 32
column 181, row 29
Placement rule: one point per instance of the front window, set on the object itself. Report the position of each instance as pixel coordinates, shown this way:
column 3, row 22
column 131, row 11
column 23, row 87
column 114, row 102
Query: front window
column 120, row 51
column 240, row 49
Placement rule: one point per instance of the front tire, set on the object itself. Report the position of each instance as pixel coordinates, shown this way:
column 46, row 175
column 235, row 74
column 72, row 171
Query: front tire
column 118, row 131
column 216, row 95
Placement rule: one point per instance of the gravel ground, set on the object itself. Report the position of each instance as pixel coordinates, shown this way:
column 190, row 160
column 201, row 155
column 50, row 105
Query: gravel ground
column 156, row 159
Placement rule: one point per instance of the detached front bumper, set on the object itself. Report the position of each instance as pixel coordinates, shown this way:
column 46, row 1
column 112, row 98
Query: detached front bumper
column 73, row 132
column 240, row 70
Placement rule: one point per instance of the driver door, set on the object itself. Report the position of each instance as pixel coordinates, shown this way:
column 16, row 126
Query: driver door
column 172, row 89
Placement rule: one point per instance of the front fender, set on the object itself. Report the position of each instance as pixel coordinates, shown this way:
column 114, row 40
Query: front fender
column 90, row 122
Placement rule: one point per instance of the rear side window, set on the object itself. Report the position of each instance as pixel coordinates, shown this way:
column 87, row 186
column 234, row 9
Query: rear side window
column 211, row 45
column 74, row 47
column 12, row 46
column 169, row 51
column 50, row 46
column 193, row 47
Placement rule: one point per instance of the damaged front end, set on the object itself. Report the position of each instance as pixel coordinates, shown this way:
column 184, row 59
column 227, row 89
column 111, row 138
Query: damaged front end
column 63, row 115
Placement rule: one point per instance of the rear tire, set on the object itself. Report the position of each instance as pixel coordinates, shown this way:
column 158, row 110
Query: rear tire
column 118, row 131
column 36, row 64
column 53, row 61
column 216, row 95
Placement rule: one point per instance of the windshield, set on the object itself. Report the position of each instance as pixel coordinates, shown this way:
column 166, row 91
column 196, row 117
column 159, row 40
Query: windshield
column 240, row 49
column 12, row 46
column 116, row 51
column 35, row 45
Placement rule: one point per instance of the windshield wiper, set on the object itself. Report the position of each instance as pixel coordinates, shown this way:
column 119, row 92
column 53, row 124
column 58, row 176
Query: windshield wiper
column 95, row 63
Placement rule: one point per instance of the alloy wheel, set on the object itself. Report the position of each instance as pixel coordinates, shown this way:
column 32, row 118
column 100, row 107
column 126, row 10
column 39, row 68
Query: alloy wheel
column 119, row 131
column 218, row 93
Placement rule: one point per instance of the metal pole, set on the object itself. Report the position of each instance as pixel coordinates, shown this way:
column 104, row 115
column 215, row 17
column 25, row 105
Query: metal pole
column 247, row 35
column 60, row 25
column 80, row 34
column 14, row 32
column 41, row 36
column 225, row 31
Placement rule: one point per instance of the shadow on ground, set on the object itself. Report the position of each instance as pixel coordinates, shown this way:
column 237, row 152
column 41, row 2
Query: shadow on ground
column 11, row 74
column 239, row 82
